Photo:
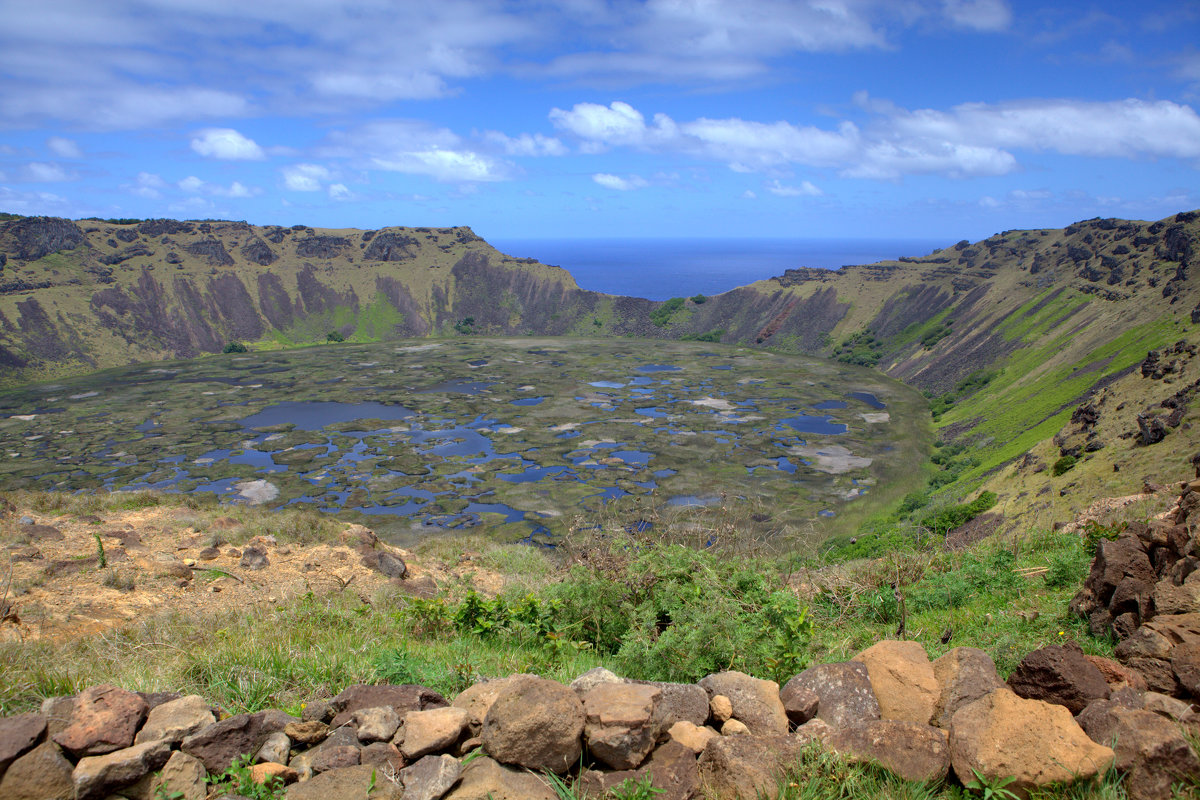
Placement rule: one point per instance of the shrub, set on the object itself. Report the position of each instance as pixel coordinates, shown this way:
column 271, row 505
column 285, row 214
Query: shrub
column 661, row 316
column 334, row 336
column 235, row 347
column 1063, row 465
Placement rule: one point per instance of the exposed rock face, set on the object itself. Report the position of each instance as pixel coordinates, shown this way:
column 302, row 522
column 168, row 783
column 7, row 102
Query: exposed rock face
column 535, row 724
column 36, row 237
column 321, row 246
column 390, row 246
column 211, row 250
column 1002, row 735
column 259, row 252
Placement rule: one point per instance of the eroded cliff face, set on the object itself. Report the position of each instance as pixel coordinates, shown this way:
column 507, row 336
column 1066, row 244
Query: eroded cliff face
column 77, row 295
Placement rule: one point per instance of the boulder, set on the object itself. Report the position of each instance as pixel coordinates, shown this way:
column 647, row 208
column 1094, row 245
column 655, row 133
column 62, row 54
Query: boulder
column 275, row 750
column 734, row 727
column 914, row 751
column 1116, row 674
column 184, row 777
column 1059, row 674
column 176, row 720
column 902, row 679
column 41, row 774
column 345, row 782
column 1149, row 649
column 594, row 677
column 755, row 701
column 383, row 755
column 1171, row 599
column 486, row 779
column 220, row 743
column 747, row 767
column 309, row 732
column 621, row 723
column 478, row 698
column 402, row 699
column 18, row 735
column 672, row 771
column 844, row 689
column 535, row 724
column 96, row 776
column 964, row 675
column 57, row 711
column 377, row 724
column 430, row 778
column 340, row 749
column 1185, row 662
column 1150, row 749
column 432, row 731
column 104, row 719
column 1002, row 735
column 680, row 701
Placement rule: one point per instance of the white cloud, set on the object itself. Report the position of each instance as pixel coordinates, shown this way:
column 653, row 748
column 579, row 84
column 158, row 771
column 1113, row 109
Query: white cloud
column 191, row 184
column 39, row 172
column 989, row 202
column 415, row 148
column 805, row 189
column 981, row 15
column 147, row 185
column 749, row 195
column 618, row 183
column 371, row 86
column 237, row 189
column 31, row 202
column 968, row 140
column 339, row 191
column 536, row 144
column 63, row 148
column 226, row 144
column 305, row 177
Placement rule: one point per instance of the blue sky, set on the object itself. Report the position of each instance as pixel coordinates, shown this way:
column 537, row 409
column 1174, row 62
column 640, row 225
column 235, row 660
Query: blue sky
column 586, row 118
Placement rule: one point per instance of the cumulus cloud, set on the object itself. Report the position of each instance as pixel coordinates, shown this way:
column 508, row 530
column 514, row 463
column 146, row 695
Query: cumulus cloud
column 618, row 183
column 305, row 177
column 39, row 172
column 969, row 140
column 63, row 148
column 148, row 185
column 536, row 144
column 226, row 144
column 194, row 185
column 339, row 191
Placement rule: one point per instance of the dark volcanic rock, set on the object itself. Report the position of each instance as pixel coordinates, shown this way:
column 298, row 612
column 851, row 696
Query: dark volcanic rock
column 391, row 247
column 34, row 237
column 212, row 250
column 1059, row 674
column 259, row 252
column 321, row 246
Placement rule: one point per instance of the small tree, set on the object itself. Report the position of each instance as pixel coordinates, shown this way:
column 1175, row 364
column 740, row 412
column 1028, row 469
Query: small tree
column 334, row 336
column 235, row 347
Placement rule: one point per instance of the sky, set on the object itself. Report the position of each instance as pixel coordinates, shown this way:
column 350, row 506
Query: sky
column 604, row 118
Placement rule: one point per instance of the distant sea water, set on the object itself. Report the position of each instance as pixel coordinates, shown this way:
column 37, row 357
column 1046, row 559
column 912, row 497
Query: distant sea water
column 658, row 269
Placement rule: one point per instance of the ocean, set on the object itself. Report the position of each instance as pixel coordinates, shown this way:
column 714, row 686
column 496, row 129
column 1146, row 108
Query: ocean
column 658, row 269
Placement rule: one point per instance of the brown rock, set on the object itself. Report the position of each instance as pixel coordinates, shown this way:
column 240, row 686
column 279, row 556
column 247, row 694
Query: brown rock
column 184, row 775
column 621, row 723
column 383, row 755
column 593, row 678
column 339, row 750
column 403, row 699
column 902, row 679
column 1169, row 707
column 1059, row 674
column 478, row 698
column 1002, row 735
column 1150, row 750
column 433, row 731
column 755, row 702
column 176, row 719
column 346, row 782
column 680, row 701
column 273, row 771
column 693, row 737
column 720, row 708
column 536, row 724
column 845, row 691
column 1171, row 599
column 1185, row 661
column 430, row 778
column 1149, row 649
column 254, row 558
column 911, row 750
column 734, row 727
column 964, row 675
column 1116, row 674
column 40, row 774
column 104, row 719
column 96, row 776
column 376, row 724
column 799, row 704
column 57, row 712
column 220, row 743
column 485, row 779
column 309, row 732
column 748, row 766
column 18, row 735
column 275, row 749
column 672, row 771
